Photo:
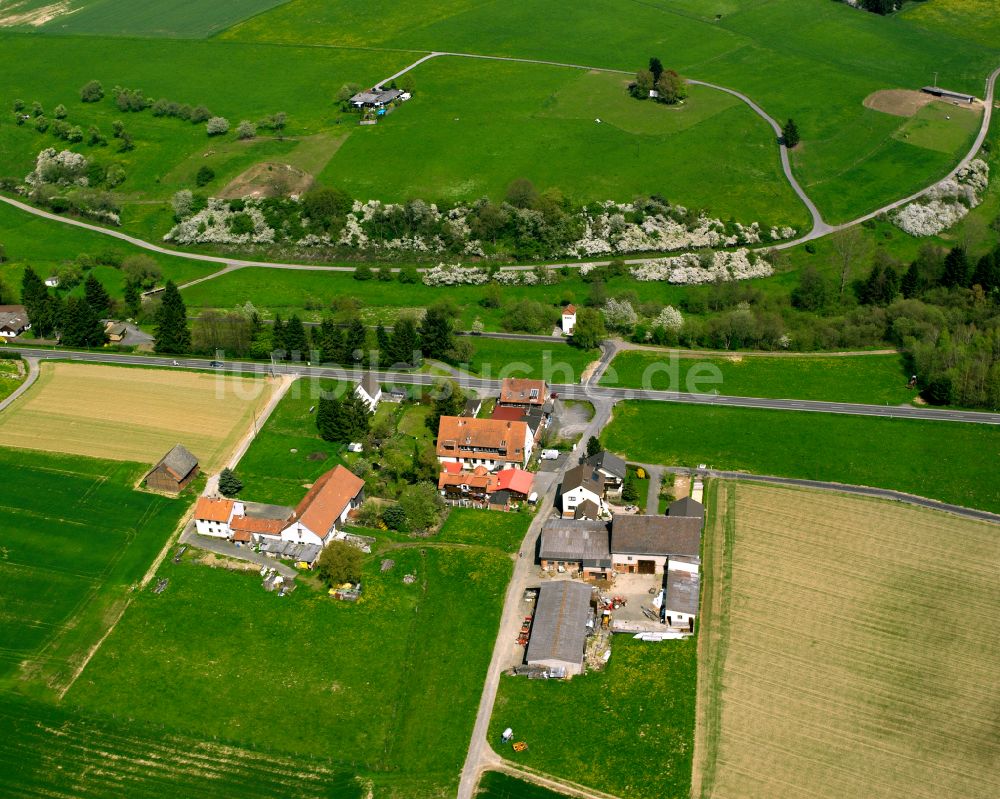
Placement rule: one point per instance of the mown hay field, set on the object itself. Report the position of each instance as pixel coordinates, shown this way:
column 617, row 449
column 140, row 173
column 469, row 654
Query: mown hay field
column 850, row 650
column 131, row 414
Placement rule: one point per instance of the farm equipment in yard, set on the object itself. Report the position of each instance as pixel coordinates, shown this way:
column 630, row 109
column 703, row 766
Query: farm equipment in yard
column 521, row 746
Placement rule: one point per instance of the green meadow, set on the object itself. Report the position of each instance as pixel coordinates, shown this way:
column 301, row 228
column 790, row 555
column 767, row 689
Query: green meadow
column 871, row 379
column 76, row 539
column 496, row 785
column 169, row 18
column 359, row 685
column 49, row 749
column 475, row 125
column 632, row 724
column 949, row 461
column 555, row 362
column 815, row 61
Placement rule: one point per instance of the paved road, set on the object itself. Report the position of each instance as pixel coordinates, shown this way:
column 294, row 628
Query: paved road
column 846, row 488
column 480, row 754
column 588, row 392
column 653, row 494
column 32, row 366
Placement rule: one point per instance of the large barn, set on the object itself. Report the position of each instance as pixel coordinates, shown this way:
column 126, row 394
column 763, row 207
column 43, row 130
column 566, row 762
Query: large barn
column 559, row 630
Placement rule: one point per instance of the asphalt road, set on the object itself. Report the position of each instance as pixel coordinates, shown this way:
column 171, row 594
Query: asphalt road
column 587, row 392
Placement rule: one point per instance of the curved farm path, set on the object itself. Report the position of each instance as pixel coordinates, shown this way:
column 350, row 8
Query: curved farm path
column 820, row 227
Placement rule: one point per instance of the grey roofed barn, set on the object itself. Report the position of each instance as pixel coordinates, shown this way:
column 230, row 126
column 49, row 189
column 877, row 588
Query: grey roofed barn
column 656, row 535
column 179, row 461
column 559, row 630
column 573, row 540
column 682, row 592
column 691, row 508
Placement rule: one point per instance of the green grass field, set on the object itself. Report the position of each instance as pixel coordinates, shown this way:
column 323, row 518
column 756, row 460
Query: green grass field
column 12, row 374
column 503, row 531
column 850, row 159
column 628, row 730
column 370, row 676
column 872, row 379
column 495, row 785
column 948, row 461
column 172, row 18
column 76, row 538
column 498, row 121
column 55, row 751
column 555, row 363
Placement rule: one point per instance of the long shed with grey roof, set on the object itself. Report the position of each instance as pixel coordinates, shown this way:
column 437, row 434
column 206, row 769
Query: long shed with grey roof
column 646, row 544
column 559, row 630
column 576, row 544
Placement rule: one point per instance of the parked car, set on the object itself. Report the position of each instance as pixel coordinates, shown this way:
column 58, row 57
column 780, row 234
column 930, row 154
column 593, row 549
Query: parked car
column 216, row 364
column 549, row 454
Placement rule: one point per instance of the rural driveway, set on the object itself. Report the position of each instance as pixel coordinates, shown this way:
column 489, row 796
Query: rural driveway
column 480, row 753
column 220, row 546
column 846, row 488
column 588, row 392
column 32, row 364
column 653, row 493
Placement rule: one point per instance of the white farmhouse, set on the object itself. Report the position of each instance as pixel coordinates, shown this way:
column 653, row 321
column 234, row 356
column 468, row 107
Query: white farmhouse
column 213, row 516
column 370, row 391
column 568, row 320
column 324, row 509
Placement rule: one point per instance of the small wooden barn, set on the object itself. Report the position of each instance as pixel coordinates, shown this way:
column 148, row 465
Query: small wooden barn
column 174, row 471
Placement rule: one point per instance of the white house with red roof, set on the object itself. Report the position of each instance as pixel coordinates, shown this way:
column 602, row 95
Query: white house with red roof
column 568, row 319
column 325, row 507
column 213, row 516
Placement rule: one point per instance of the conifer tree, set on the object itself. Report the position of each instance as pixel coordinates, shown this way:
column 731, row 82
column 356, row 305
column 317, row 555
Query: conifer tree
column 171, row 332
column 96, row 295
column 790, row 134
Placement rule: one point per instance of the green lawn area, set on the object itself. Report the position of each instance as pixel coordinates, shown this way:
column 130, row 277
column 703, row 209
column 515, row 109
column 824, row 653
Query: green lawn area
column 285, row 455
column 382, row 678
column 172, row 18
column 871, row 379
column 503, row 531
column 556, row 362
column 628, row 730
column 950, row 461
column 12, row 374
column 76, row 537
column 48, row 749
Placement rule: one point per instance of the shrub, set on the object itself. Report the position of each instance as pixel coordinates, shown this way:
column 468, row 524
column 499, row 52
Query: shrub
column 92, row 92
column 246, row 130
column 217, row 126
column 183, row 203
column 395, row 518
column 229, row 484
column 339, row 563
column 205, row 176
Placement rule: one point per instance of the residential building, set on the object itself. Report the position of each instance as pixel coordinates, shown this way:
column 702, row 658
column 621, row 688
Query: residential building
column 492, row 443
column 472, row 407
column 213, row 516
column 576, row 546
column 563, row 620
column 612, row 470
column 375, row 98
column 484, row 489
column 568, row 320
column 653, row 544
column 370, row 391
column 581, row 484
column 325, row 507
column 174, row 471
column 13, row 320
column 520, row 392
column 115, row 331
column 537, row 418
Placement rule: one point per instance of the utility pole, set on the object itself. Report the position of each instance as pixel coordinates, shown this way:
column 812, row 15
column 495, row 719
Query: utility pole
column 935, row 80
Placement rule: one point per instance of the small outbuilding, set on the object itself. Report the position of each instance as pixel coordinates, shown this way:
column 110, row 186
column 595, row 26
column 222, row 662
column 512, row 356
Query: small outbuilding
column 560, row 627
column 568, row 319
column 687, row 507
column 174, row 471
